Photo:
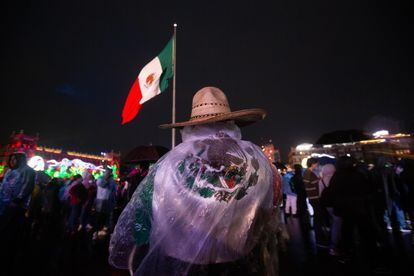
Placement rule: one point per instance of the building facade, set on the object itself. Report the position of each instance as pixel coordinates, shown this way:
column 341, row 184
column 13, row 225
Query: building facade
column 56, row 162
column 395, row 146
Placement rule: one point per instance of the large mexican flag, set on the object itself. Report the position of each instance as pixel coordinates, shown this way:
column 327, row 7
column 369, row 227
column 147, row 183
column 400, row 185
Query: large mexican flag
column 151, row 81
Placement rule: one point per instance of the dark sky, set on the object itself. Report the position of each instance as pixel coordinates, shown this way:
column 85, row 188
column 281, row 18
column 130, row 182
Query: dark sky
column 315, row 66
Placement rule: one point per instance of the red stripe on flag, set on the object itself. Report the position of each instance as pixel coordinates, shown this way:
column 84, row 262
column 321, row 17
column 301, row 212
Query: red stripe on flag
column 132, row 105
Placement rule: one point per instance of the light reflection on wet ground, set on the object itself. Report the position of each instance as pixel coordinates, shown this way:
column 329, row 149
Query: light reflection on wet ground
column 303, row 257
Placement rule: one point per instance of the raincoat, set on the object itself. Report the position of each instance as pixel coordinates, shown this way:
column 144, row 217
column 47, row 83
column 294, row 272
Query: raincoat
column 210, row 200
column 17, row 184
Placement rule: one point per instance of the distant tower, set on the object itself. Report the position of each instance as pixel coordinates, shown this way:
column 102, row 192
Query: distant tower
column 19, row 142
column 23, row 143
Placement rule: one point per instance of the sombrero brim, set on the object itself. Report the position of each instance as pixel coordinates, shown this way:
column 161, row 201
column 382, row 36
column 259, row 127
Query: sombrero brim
column 240, row 117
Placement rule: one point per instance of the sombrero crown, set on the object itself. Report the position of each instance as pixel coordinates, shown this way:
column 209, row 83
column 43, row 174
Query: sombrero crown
column 210, row 105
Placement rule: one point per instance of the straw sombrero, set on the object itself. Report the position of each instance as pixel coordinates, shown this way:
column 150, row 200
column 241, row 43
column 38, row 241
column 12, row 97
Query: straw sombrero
column 210, row 105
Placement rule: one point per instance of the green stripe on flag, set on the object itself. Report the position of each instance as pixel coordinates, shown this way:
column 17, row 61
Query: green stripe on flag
column 165, row 58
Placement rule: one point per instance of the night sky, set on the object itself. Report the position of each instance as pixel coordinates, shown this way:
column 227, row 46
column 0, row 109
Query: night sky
column 316, row 67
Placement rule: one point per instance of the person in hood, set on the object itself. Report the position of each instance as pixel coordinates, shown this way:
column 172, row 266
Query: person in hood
column 17, row 185
column 105, row 203
column 15, row 193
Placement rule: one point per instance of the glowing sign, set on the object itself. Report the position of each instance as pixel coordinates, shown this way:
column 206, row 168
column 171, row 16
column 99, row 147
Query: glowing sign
column 381, row 133
column 77, row 163
column 37, row 163
column 67, row 168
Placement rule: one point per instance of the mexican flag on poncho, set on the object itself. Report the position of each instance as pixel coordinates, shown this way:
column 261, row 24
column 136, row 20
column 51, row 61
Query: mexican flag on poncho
column 151, row 81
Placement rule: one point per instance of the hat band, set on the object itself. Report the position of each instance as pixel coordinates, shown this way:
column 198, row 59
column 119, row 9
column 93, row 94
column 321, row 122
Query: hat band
column 205, row 116
column 202, row 104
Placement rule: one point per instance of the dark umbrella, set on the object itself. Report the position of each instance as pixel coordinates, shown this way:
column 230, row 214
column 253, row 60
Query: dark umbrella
column 326, row 160
column 144, row 154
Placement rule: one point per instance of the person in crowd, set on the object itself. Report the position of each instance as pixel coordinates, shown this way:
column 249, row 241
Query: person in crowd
column 135, row 177
column 326, row 201
column 15, row 192
column 128, row 184
column 209, row 206
column 17, row 185
column 402, row 197
column 388, row 198
column 351, row 194
column 311, row 181
column 86, row 212
column 78, row 195
column 325, row 174
column 64, row 198
column 407, row 176
column 34, row 211
column 105, row 203
column 122, row 193
column 51, row 207
column 289, row 192
column 64, row 189
column 301, row 201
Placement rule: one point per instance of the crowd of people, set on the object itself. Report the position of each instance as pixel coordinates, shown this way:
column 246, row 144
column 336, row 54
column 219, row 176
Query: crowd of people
column 344, row 202
column 347, row 203
column 34, row 205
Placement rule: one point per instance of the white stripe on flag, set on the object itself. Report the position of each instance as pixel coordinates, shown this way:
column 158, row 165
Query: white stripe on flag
column 149, row 80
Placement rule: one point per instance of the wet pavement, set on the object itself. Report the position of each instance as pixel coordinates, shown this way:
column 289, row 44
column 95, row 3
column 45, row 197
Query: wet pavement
column 303, row 257
column 51, row 254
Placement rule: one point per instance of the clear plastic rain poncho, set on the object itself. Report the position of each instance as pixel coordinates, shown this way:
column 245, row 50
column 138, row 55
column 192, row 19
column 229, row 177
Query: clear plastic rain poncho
column 208, row 204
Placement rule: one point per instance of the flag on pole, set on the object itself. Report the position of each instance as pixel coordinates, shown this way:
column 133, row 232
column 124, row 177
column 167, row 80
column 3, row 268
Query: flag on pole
column 151, row 81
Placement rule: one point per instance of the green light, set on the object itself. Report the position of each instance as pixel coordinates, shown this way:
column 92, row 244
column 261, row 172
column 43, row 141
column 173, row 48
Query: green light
column 114, row 168
column 2, row 169
column 62, row 171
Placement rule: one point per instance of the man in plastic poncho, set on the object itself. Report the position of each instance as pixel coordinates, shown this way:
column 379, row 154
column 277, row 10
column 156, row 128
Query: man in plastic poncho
column 209, row 206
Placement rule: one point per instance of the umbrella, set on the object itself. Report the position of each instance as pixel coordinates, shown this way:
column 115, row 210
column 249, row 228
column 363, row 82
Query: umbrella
column 326, row 160
column 144, row 154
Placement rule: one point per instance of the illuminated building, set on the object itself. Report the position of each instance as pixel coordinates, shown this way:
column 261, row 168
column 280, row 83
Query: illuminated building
column 57, row 162
column 381, row 143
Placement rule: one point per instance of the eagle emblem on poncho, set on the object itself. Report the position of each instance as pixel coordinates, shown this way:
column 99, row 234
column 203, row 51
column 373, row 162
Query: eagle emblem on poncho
column 217, row 170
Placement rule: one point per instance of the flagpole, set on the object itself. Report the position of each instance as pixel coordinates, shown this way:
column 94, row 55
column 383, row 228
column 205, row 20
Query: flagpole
column 174, row 50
